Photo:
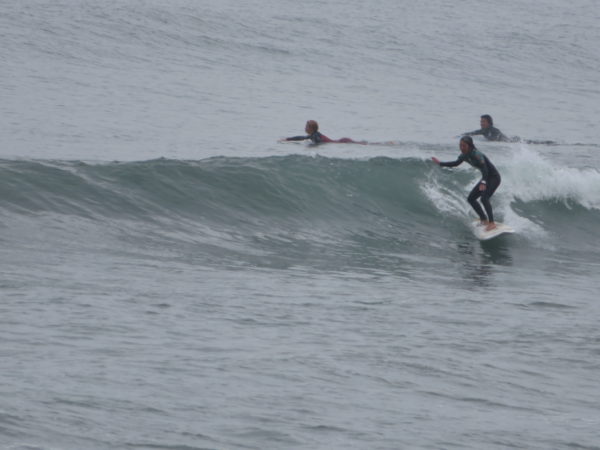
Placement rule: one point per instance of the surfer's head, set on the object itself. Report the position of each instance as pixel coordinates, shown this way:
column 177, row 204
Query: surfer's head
column 311, row 127
column 466, row 144
column 486, row 121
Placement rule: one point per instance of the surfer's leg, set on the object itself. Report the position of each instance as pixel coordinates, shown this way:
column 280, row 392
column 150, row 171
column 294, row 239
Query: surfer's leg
column 493, row 183
column 485, row 199
column 472, row 199
column 347, row 140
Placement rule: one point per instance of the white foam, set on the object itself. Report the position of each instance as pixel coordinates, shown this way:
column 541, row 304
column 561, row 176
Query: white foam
column 528, row 176
column 446, row 201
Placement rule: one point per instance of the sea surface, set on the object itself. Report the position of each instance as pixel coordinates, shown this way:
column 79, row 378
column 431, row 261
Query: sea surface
column 173, row 277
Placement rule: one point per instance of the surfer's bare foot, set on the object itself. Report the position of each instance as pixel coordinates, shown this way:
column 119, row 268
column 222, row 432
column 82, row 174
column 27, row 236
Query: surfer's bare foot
column 490, row 226
column 483, row 223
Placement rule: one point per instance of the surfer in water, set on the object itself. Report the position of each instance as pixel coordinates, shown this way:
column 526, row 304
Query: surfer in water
column 485, row 188
column 488, row 130
column 312, row 133
column 492, row 133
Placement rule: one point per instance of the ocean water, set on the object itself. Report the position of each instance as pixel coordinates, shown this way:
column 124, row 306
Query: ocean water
column 173, row 277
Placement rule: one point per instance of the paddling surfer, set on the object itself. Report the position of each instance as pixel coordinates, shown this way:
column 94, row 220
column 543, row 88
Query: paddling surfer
column 313, row 134
column 488, row 130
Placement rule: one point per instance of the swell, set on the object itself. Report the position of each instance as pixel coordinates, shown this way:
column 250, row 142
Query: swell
column 216, row 189
column 290, row 192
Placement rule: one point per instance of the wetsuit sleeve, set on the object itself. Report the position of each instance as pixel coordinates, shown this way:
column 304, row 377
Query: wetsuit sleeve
column 297, row 138
column 473, row 133
column 316, row 137
column 458, row 161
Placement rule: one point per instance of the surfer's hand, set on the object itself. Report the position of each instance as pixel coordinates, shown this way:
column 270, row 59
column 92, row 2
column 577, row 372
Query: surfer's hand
column 482, row 186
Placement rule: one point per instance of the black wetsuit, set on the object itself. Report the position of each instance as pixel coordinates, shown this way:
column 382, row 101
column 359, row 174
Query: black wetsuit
column 490, row 133
column 315, row 138
column 489, row 176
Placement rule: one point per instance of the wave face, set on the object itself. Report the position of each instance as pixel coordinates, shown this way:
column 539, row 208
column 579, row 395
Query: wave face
column 299, row 209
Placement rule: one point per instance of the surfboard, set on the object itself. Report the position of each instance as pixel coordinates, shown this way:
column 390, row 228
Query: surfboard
column 482, row 235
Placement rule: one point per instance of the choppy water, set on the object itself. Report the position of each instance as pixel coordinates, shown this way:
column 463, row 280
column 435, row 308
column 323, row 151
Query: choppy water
column 172, row 277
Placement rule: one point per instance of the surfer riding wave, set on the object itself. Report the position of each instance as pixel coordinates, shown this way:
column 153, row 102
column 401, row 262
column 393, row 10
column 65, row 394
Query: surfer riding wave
column 485, row 188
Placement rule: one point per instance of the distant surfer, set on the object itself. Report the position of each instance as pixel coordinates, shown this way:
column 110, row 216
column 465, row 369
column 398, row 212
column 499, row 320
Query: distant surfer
column 488, row 130
column 485, row 188
column 491, row 133
column 313, row 134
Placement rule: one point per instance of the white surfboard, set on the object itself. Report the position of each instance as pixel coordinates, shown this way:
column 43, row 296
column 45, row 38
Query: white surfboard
column 483, row 235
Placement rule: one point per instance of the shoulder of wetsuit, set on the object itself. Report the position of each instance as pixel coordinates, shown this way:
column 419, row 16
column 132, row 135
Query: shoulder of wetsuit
column 477, row 156
column 316, row 137
column 478, row 153
column 496, row 135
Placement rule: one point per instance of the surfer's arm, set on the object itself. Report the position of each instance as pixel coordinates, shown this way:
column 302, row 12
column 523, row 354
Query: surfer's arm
column 297, row 138
column 450, row 163
column 473, row 133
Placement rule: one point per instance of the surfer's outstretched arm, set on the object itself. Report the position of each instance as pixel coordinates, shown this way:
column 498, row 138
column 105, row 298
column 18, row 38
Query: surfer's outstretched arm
column 294, row 138
column 448, row 163
column 472, row 133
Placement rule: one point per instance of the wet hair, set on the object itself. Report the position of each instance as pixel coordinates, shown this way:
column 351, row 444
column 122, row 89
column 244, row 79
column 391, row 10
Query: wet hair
column 489, row 119
column 469, row 141
column 312, row 125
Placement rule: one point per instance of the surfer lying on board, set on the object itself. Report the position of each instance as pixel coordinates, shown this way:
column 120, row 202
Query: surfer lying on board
column 485, row 188
column 488, row 130
column 492, row 133
column 312, row 131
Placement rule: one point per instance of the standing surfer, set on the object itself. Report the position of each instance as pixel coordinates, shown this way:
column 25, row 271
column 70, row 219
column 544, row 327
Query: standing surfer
column 485, row 188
